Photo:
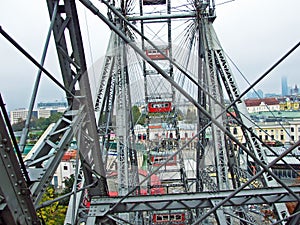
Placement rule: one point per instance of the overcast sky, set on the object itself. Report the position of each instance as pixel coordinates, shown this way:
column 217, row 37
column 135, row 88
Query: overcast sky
column 254, row 34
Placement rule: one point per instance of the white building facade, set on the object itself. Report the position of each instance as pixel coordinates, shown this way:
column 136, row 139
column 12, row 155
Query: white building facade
column 63, row 172
column 18, row 115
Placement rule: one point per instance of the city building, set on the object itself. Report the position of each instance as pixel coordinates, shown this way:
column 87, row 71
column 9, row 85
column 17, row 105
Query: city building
column 262, row 105
column 19, row 115
column 44, row 110
column 294, row 91
column 46, row 113
column 278, row 130
column 52, row 105
column 272, row 95
column 65, row 169
column 161, row 131
column 282, row 126
column 289, row 103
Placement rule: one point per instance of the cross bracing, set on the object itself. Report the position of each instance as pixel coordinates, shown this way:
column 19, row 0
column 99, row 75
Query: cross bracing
column 192, row 200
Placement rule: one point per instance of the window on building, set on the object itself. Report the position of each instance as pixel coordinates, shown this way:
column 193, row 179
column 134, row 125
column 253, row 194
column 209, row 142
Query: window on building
column 293, row 137
column 65, row 167
column 282, row 137
column 235, row 130
column 260, row 137
column 292, row 129
column 266, row 137
column 272, row 137
column 55, row 180
column 194, row 145
column 159, row 218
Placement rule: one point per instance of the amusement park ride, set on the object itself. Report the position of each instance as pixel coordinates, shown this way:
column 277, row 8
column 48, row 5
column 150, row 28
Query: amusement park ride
column 173, row 48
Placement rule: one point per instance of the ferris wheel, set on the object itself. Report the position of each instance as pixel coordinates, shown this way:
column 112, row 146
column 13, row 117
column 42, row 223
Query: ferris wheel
column 174, row 53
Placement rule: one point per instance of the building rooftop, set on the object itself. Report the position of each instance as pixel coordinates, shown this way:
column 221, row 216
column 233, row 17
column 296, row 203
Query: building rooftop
column 277, row 114
column 258, row 102
column 56, row 104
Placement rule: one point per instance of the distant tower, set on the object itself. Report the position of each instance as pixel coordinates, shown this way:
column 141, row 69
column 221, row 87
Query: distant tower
column 295, row 91
column 284, row 86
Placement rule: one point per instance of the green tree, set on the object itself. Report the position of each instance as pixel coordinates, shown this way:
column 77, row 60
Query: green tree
column 68, row 188
column 135, row 113
column 54, row 213
column 43, row 123
column 18, row 126
column 39, row 124
column 138, row 118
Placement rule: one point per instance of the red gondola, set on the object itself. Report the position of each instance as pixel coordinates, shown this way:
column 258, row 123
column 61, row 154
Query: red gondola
column 158, row 158
column 155, row 55
column 159, row 107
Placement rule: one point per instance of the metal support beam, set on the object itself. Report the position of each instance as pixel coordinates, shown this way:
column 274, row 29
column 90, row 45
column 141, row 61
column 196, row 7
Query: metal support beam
column 45, row 157
column 100, row 206
column 16, row 205
column 71, row 56
column 160, row 17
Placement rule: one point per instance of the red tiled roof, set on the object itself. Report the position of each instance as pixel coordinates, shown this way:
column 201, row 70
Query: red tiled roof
column 257, row 102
